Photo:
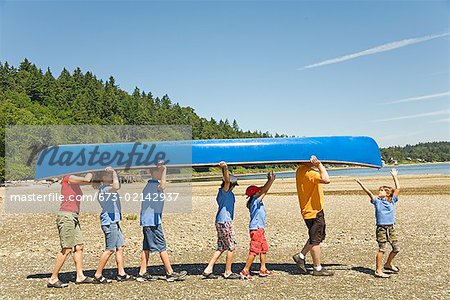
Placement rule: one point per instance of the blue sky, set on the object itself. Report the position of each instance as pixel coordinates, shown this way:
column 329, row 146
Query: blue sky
column 293, row 67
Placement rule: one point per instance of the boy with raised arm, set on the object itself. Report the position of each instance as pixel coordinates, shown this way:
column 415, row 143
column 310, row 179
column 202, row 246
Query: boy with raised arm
column 384, row 205
column 107, row 183
column 152, row 206
column 257, row 225
column 226, row 237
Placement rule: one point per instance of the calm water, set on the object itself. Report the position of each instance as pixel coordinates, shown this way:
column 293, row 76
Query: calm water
column 355, row 172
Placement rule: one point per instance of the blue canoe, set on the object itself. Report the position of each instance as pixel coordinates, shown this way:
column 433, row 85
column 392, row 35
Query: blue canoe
column 69, row 159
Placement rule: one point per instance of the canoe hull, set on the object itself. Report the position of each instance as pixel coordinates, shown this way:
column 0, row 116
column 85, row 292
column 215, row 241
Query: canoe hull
column 362, row 151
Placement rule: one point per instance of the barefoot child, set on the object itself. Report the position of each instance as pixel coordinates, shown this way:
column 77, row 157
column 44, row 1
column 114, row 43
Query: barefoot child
column 226, row 238
column 107, row 182
column 385, row 218
column 151, row 221
column 258, row 243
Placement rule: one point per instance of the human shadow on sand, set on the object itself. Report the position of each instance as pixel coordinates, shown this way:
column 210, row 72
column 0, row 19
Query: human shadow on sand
column 364, row 270
column 192, row 269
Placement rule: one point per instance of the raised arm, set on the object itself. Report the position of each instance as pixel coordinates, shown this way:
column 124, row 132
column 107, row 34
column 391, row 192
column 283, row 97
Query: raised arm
column 225, row 175
column 162, row 182
column 265, row 188
column 394, row 174
column 324, row 178
column 115, row 180
column 368, row 192
column 80, row 179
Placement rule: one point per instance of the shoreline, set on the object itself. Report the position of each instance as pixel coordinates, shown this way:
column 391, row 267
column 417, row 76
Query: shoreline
column 213, row 176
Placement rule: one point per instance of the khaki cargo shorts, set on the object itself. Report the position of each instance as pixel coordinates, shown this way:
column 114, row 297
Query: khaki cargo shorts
column 69, row 229
column 386, row 234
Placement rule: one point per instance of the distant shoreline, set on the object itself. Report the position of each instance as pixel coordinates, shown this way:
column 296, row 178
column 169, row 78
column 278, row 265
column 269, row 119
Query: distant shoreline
column 218, row 175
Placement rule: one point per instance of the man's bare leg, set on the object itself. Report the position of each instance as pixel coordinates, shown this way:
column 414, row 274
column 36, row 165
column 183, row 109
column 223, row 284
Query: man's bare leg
column 78, row 260
column 60, row 259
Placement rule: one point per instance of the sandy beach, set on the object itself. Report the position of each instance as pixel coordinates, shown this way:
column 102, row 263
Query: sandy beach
column 29, row 243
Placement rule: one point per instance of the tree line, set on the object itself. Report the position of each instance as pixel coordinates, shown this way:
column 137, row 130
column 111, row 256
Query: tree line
column 422, row 152
column 31, row 96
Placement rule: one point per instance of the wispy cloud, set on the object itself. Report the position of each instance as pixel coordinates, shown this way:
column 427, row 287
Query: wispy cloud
column 428, row 114
column 377, row 49
column 446, row 120
column 420, row 98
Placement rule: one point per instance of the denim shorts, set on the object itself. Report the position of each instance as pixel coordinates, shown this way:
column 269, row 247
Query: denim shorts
column 113, row 236
column 154, row 240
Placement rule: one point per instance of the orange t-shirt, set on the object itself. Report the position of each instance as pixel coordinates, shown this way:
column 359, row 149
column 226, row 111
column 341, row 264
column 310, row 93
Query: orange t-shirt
column 309, row 191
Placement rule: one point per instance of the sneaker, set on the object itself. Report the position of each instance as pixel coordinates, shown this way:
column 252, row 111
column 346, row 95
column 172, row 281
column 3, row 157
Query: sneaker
column 265, row 273
column 231, row 276
column 209, row 275
column 145, row 277
column 323, row 272
column 175, row 276
column 245, row 275
column 300, row 262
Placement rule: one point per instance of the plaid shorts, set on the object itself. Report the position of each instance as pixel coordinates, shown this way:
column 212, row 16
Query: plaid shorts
column 226, row 237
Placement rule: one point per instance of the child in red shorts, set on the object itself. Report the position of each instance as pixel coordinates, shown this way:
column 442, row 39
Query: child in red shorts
column 258, row 243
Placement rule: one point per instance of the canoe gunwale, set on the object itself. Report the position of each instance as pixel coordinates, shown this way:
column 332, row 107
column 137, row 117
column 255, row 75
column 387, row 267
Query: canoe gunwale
column 228, row 163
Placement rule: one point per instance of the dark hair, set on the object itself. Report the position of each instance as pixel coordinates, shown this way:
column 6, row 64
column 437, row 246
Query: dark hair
column 232, row 184
column 249, row 201
column 97, row 179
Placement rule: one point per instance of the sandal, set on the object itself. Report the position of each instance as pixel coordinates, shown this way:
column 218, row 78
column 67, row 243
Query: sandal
column 85, row 280
column 382, row 275
column 393, row 269
column 231, row 276
column 101, row 280
column 57, row 285
column 265, row 273
column 209, row 276
column 245, row 275
column 125, row 277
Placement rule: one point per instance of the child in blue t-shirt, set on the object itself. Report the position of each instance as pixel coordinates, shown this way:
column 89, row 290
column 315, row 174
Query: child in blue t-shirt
column 107, row 182
column 384, row 205
column 226, row 237
column 152, row 206
column 257, row 225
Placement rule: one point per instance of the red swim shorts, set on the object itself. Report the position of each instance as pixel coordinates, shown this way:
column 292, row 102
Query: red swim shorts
column 258, row 243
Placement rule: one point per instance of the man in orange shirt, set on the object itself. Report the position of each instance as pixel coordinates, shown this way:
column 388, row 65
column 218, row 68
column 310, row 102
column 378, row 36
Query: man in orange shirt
column 310, row 196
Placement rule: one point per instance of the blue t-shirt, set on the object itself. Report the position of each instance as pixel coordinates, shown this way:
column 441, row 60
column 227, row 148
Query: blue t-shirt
column 385, row 210
column 257, row 214
column 152, row 204
column 110, row 204
column 225, row 200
